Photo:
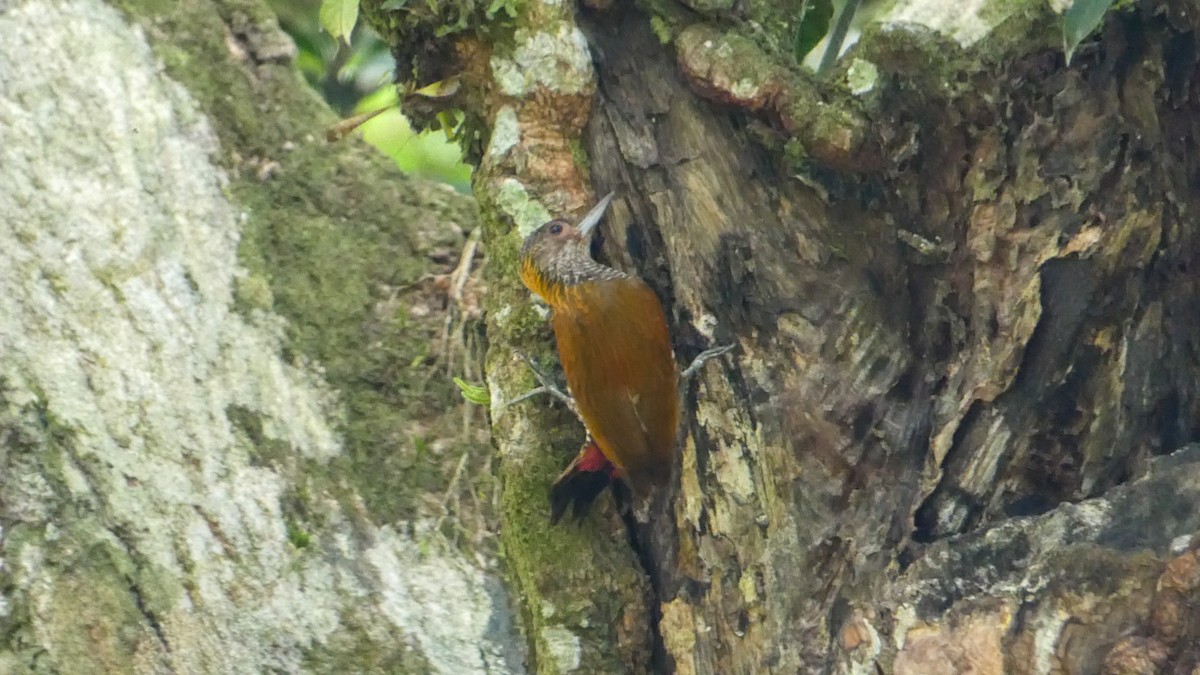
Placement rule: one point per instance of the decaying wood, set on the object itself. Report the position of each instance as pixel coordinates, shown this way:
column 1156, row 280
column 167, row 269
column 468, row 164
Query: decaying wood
column 939, row 445
column 882, row 400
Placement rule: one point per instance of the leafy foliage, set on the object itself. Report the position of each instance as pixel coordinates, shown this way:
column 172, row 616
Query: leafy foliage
column 815, row 16
column 338, row 17
column 354, row 72
column 1080, row 20
column 431, row 154
column 474, row 393
column 509, row 7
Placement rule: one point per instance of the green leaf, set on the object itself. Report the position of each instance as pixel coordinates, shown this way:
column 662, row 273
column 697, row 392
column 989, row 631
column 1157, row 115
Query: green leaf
column 1080, row 20
column 815, row 16
column 474, row 393
column 394, row 4
column 338, row 17
column 508, row 6
column 297, row 536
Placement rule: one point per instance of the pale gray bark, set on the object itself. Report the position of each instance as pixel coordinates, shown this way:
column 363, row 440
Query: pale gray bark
column 160, row 508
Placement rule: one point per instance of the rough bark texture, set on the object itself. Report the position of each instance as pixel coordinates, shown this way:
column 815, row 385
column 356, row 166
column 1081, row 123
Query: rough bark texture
column 227, row 442
column 962, row 280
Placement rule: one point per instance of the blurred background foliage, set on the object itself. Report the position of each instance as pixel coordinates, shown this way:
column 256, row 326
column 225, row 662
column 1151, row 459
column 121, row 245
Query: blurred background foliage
column 357, row 79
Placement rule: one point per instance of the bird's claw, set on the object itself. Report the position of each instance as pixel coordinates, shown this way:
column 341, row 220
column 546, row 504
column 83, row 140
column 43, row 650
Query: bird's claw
column 704, row 357
column 547, row 387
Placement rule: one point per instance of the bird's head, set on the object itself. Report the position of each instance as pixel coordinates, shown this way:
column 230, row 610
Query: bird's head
column 556, row 254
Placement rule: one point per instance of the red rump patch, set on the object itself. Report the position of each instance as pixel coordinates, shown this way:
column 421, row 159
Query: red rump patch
column 582, row 481
column 592, row 460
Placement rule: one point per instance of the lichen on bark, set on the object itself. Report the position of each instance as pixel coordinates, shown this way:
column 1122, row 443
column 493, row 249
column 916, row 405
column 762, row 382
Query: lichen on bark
column 527, row 87
column 958, row 277
column 211, row 423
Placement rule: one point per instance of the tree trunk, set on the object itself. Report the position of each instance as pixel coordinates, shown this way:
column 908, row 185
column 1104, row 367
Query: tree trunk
column 961, row 277
column 228, row 440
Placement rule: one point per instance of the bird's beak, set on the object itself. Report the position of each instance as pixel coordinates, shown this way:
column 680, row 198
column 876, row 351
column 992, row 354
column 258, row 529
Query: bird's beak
column 588, row 224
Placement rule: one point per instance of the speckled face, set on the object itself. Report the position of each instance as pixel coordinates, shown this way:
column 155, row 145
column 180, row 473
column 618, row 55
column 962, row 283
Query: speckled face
column 555, row 257
column 551, row 241
column 559, row 242
column 557, row 253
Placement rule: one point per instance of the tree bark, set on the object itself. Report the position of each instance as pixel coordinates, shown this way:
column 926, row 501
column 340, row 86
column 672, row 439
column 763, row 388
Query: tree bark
column 228, row 440
column 961, row 277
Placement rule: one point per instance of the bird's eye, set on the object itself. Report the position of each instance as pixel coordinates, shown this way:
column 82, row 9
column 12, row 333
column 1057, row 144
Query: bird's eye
column 556, row 228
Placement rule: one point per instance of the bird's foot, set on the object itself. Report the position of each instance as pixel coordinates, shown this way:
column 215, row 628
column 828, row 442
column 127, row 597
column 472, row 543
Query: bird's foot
column 704, row 357
column 547, row 386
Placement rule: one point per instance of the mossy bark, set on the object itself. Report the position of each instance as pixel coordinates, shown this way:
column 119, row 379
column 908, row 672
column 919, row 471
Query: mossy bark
column 228, row 442
column 961, row 278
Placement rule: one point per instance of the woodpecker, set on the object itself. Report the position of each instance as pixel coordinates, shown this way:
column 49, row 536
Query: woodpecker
column 616, row 354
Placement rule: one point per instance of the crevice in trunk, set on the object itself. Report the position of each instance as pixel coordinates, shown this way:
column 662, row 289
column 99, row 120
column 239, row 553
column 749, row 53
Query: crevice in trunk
column 660, row 660
column 927, row 520
column 151, row 620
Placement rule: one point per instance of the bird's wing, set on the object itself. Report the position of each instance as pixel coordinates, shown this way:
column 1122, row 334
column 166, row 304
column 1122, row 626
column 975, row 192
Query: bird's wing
column 616, row 353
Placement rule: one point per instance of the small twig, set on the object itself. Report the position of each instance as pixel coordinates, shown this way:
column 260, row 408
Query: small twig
column 445, row 505
column 458, row 282
column 463, row 271
column 347, row 126
column 837, row 36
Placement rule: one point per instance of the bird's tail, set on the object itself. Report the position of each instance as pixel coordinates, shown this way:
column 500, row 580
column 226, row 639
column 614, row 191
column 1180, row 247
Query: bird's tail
column 583, row 480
